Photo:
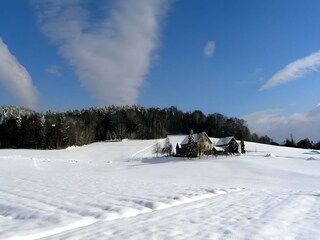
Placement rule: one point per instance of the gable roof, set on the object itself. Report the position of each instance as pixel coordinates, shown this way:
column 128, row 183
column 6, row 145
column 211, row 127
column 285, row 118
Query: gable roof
column 225, row 141
column 196, row 137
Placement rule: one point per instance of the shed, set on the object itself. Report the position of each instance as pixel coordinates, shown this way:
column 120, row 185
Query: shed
column 228, row 144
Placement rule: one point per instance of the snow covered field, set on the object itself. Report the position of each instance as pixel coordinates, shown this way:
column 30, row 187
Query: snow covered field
column 120, row 190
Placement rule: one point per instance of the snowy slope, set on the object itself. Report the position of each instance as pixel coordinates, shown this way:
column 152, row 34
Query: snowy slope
column 120, row 190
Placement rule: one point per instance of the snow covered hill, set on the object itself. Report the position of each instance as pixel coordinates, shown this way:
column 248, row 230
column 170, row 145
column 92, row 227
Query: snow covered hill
column 120, row 190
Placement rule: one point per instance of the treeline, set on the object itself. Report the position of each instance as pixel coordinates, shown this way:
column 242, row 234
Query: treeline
column 23, row 128
column 303, row 143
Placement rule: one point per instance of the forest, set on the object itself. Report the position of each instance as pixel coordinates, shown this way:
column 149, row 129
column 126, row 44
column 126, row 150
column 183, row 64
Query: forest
column 24, row 128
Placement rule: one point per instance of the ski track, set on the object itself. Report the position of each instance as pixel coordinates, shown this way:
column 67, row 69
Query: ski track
column 103, row 197
column 144, row 150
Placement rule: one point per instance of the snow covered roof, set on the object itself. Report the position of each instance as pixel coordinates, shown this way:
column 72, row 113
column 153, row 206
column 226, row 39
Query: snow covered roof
column 220, row 149
column 196, row 137
column 224, row 141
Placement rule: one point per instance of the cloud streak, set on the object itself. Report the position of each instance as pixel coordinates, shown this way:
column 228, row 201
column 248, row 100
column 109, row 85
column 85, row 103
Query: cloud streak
column 53, row 69
column 110, row 54
column 273, row 123
column 294, row 70
column 209, row 49
column 16, row 79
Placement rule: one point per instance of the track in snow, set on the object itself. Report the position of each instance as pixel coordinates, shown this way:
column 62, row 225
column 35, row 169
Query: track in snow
column 241, row 215
column 148, row 207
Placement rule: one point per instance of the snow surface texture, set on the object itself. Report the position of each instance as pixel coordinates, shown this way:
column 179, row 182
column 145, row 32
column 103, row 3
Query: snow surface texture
column 120, row 190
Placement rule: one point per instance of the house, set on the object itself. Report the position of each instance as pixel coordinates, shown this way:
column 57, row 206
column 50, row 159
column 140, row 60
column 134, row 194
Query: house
column 202, row 145
column 228, row 144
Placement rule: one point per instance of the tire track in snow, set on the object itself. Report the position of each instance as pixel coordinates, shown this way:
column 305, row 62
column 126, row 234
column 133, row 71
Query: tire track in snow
column 124, row 213
column 72, row 226
column 150, row 206
column 245, row 215
column 104, row 229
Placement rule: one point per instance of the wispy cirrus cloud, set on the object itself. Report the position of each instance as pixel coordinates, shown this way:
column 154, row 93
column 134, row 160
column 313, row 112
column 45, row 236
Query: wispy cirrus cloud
column 16, row 79
column 209, row 49
column 53, row 69
column 275, row 124
column 111, row 54
column 294, row 70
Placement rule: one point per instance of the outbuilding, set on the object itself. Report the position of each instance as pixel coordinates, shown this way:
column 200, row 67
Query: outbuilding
column 228, row 144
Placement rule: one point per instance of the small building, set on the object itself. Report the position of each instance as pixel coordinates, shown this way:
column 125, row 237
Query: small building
column 228, row 144
column 202, row 145
column 217, row 150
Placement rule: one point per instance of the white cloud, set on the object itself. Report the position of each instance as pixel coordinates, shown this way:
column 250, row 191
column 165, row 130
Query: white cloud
column 294, row 70
column 111, row 55
column 53, row 69
column 315, row 112
column 16, row 79
column 209, row 48
column 271, row 122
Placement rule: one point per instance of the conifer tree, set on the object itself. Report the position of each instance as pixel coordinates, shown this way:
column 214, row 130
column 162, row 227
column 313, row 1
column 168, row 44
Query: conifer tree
column 190, row 147
column 243, row 151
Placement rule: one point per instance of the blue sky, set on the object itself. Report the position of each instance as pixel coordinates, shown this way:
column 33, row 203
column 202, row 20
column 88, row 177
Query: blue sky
column 254, row 59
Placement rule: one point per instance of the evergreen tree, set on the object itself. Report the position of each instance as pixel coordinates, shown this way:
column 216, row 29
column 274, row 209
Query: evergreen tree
column 290, row 142
column 243, row 151
column 190, row 147
column 178, row 149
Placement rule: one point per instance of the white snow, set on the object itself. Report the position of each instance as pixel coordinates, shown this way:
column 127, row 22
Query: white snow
column 120, row 190
column 269, row 155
